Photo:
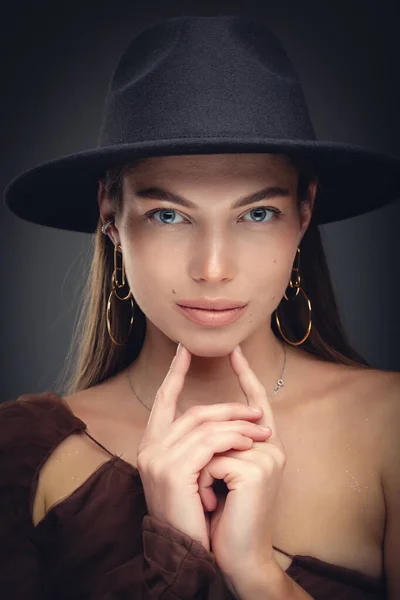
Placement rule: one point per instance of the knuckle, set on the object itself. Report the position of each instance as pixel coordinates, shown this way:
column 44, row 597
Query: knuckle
column 257, row 472
column 163, row 396
column 142, row 458
column 276, row 461
column 280, row 454
column 157, row 469
column 150, row 461
column 141, row 462
column 160, row 394
column 194, row 411
column 207, row 429
column 281, row 458
column 269, row 463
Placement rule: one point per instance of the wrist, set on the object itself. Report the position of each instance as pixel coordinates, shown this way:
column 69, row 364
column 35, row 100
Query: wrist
column 266, row 581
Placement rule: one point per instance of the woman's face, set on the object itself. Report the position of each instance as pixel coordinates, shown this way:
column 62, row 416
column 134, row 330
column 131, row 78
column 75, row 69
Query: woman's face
column 211, row 247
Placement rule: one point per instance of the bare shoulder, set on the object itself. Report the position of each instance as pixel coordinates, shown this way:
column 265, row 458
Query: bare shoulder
column 111, row 416
column 98, row 401
column 360, row 385
column 370, row 399
column 384, row 404
column 378, row 390
column 359, row 396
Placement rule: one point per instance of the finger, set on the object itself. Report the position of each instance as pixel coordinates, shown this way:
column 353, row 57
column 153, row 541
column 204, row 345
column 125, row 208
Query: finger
column 227, row 469
column 189, row 428
column 206, row 480
column 208, row 498
column 253, row 389
column 163, row 411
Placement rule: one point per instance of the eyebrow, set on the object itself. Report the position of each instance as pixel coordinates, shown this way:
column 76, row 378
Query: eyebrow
column 160, row 194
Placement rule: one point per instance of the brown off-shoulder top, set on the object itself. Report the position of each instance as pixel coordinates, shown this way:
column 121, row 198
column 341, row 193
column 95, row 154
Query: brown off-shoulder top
column 99, row 543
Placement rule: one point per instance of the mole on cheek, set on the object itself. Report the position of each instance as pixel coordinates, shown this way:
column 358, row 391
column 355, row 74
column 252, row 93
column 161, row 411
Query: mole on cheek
column 173, row 291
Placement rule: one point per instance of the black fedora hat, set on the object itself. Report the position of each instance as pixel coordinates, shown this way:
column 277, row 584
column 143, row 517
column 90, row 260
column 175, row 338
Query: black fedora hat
column 203, row 85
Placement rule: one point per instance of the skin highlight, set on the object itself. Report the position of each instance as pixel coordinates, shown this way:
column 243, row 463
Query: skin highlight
column 213, row 250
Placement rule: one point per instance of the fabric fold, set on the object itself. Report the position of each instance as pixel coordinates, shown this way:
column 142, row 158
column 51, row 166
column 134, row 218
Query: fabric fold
column 172, row 566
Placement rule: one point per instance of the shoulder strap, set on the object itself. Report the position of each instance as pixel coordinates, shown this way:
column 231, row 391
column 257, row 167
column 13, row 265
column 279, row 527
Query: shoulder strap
column 283, row 552
column 98, row 443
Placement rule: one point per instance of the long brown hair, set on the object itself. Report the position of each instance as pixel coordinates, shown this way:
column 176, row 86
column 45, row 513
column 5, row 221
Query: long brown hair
column 93, row 357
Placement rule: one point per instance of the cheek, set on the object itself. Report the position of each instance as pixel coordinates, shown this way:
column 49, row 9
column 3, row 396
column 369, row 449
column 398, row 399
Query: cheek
column 269, row 279
column 150, row 273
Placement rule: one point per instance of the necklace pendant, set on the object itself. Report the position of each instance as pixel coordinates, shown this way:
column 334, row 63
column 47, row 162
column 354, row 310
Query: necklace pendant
column 280, row 383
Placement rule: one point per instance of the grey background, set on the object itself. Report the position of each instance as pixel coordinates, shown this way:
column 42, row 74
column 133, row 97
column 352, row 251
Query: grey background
column 56, row 63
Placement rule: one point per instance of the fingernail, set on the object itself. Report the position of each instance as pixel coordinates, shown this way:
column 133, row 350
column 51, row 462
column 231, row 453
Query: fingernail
column 255, row 409
column 179, row 349
column 238, row 350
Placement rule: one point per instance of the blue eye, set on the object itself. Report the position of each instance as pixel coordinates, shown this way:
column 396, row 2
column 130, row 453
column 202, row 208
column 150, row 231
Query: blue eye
column 260, row 212
column 168, row 211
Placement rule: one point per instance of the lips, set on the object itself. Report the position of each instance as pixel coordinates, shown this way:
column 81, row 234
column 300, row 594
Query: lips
column 212, row 318
column 212, row 304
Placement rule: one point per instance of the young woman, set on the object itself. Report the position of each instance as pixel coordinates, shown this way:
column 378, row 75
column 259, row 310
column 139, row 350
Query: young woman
column 209, row 296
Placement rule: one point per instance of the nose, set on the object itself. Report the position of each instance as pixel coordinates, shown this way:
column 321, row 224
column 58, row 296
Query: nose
column 213, row 258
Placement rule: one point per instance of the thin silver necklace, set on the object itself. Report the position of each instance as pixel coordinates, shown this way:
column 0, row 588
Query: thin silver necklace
column 280, row 383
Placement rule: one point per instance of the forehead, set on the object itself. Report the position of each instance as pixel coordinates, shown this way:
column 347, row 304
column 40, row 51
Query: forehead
column 212, row 165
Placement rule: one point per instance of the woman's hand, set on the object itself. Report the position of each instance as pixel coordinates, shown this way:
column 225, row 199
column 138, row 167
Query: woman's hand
column 172, row 452
column 241, row 521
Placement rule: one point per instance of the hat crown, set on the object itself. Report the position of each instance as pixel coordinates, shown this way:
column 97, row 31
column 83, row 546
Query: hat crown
column 203, row 85
column 198, row 77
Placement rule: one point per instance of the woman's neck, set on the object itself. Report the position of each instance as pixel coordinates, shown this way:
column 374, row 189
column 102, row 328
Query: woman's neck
column 210, row 380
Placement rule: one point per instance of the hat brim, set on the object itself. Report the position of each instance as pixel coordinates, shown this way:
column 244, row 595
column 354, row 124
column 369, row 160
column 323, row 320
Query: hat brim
column 62, row 193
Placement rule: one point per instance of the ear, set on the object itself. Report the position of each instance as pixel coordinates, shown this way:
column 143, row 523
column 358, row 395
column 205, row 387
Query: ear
column 307, row 208
column 106, row 211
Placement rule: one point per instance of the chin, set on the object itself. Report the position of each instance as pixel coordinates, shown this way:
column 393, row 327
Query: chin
column 212, row 349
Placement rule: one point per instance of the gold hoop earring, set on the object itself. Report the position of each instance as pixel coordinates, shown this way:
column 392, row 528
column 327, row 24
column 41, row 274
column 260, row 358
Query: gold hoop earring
column 114, row 285
column 298, row 288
